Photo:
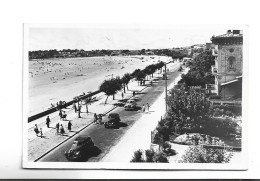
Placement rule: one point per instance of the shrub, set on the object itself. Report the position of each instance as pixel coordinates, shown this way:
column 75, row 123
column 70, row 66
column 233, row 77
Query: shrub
column 149, row 155
column 198, row 154
column 138, row 156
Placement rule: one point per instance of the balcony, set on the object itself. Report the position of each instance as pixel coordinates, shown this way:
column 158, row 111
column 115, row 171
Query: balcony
column 214, row 70
column 215, row 52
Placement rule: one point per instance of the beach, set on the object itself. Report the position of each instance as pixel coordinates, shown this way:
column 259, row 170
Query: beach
column 52, row 80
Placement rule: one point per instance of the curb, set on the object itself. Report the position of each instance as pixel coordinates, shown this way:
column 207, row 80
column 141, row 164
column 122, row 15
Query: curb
column 78, row 131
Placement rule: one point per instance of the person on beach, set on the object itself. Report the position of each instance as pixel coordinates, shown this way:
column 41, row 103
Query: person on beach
column 133, row 93
column 122, row 95
column 69, row 126
column 148, row 106
column 62, row 131
column 36, row 130
column 48, row 121
column 57, row 128
column 143, row 108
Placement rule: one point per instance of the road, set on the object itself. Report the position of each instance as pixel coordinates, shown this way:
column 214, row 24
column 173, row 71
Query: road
column 105, row 139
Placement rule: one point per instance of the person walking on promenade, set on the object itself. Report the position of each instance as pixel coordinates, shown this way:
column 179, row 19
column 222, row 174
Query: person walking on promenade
column 62, row 131
column 122, row 95
column 57, row 128
column 143, row 108
column 133, row 93
column 69, row 126
column 95, row 118
column 36, row 130
column 100, row 118
column 41, row 132
column 75, row 107
column 79, row 110
column 60, row 114
column 148, row 106
column 48, row 121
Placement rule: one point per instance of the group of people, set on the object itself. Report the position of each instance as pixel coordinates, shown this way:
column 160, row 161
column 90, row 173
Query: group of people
column 60, row 129
column 97, row 118
column 147, row 106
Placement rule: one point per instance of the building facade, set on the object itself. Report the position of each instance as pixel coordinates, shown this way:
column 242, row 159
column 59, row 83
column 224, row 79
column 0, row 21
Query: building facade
column 228, row 68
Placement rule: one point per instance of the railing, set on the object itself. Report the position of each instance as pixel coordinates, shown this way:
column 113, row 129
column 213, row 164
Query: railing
column 52, row 110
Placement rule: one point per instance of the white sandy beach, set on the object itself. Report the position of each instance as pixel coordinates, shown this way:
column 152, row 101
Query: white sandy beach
column 52, row 80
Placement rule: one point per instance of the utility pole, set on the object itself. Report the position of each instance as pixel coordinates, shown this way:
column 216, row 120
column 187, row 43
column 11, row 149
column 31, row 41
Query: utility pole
column 165, row 76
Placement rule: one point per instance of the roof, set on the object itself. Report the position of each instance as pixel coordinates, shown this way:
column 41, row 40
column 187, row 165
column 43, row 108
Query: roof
column 231, row 37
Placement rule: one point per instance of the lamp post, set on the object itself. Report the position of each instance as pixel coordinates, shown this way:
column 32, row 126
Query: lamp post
column 165, row 76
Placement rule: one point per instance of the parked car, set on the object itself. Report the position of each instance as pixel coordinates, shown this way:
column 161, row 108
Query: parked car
column 113, row 120
column 80, row 148
column 130, row 105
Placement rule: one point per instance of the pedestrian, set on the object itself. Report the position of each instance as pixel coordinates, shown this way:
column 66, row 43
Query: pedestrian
column 95, row 118
column 122, row 95
column 57, row 128
column 36, row 130
column 100, row 118
column 148, row 106
column 75, row 107
column 41, row 132
column 69, row 126
column 79, row 110
column 62, row 131
column 60, row 114
column 133, row 93
column 143, row 108
column 48, row 121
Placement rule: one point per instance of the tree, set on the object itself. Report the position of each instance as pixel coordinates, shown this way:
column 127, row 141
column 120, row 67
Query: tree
column 198, row 154
column 200, row 70
column 125, row 80
column 110, row 87
column 187, row 112
column 140, row 76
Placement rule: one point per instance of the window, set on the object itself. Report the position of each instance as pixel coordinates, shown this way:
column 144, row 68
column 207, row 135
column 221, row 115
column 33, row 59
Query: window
column 231, row 63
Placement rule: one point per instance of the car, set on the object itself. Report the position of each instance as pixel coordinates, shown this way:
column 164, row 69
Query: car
column 130, row 105
column 80, row 148
column 113, row 120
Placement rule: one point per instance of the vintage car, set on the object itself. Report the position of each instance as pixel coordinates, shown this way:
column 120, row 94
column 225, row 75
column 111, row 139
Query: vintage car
column 113, row 120
column 81, row 148
column 130, row 105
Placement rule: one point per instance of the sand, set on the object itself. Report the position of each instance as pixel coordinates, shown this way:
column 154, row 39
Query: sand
column 52, row 80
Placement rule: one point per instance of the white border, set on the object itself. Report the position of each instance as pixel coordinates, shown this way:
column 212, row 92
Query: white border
column 134, row 166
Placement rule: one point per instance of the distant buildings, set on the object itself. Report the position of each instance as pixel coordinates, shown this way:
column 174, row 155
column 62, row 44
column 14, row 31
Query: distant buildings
column 228, row 68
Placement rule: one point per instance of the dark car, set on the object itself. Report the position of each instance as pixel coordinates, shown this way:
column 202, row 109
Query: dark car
column 113, row 120
column 80, row 148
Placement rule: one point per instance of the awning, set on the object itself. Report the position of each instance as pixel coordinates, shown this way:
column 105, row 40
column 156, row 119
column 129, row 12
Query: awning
column 229, row 82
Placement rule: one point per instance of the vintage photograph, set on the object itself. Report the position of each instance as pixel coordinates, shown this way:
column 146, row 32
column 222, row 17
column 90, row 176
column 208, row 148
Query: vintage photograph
column 134, row 97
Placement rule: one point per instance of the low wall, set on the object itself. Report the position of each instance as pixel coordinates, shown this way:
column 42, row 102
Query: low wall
column 52, row 110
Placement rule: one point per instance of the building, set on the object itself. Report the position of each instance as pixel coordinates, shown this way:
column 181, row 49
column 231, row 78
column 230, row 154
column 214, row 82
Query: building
column 228, row 68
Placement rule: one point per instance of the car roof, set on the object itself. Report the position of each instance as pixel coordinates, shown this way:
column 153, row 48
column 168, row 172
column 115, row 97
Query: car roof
column 113, row 114
column 82, row 138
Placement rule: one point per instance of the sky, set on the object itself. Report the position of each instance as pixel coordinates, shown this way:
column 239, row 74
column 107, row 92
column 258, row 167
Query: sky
column 124, row 37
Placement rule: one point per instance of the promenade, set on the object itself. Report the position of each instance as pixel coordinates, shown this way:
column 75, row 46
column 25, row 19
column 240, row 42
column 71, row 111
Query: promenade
column 37, row 146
